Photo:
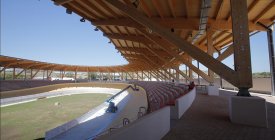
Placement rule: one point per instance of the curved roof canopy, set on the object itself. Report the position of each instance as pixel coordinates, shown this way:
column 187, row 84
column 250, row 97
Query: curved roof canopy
column 144, row 49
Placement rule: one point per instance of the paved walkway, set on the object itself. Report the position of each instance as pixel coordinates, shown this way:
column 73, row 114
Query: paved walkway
column 208, row 119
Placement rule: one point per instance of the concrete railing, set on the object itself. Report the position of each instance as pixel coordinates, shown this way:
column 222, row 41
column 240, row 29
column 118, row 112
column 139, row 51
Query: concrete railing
column 153, row 126
column 182, row 104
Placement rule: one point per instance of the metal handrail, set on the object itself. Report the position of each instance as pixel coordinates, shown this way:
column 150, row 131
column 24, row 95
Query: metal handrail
column 124, row 123
column 114, row 96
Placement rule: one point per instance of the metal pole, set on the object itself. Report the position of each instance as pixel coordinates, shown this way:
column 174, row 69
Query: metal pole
column 186, row 73
column 271, row 57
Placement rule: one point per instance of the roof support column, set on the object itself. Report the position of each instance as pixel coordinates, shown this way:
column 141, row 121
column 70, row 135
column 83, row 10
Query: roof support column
column 186, row 73
column 25, row 76
column 199, row 82
column 190, row 70
column 241, row 44
column 4, row 73
column 13, row 74
column 210, row 51
column 150, row 75
column 177, row 76
column 47, row 74
column 43, row 74
column 142, row 75
column 75, row 74
column 31, row 73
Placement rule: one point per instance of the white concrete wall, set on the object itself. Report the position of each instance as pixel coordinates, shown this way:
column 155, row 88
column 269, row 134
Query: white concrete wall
column 213, row 90
column 153, row 126
column 246, row 110
column 182, row 104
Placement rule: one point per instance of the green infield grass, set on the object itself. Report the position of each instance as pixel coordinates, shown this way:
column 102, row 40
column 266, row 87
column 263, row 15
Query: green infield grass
column 31, row 120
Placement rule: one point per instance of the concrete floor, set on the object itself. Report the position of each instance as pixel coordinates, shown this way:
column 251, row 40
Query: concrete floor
column 208, row 119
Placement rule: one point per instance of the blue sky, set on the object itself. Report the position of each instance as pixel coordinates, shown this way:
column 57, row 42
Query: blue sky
column 39, row 30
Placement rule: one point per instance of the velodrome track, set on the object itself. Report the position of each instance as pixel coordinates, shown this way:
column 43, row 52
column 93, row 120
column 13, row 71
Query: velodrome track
column 128, row 104
column 96, row 122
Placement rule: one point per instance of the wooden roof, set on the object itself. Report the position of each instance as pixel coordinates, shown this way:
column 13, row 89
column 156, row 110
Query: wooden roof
column 182, row 17
column 12, row 62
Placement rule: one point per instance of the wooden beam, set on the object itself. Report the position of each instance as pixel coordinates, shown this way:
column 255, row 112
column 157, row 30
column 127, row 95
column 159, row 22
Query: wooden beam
column 226, row 53
column 145, row 8
column 13, row 74
column 168, row 72
column 241, row 45
column 183, row 74
column 210, row 51
column 218, row 67
column 107, row 8
column 146, row 75
column 186, row 8
column 35, row 74
column 135, row 38
column 61, row 2
column 138, row 76
column 219, row 8
column 163, row 44
column 172, row 7
column 19, row 73
column 177, row 23
column 270, row 6
column 252, row 5
column 159, row 8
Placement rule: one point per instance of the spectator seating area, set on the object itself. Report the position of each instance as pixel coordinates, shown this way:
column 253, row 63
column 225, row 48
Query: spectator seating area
column 8, row 85
column 160, row 94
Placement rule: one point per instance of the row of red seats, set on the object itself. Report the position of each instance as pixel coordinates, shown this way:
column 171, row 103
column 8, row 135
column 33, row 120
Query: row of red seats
column 160, row 94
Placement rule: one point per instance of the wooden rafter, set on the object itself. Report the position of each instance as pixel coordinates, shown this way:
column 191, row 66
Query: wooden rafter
column 177, row 23
column 262, row 13
column 210, row 62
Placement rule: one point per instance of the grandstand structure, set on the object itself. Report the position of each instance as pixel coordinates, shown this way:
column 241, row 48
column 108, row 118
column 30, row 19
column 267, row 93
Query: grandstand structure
column 156, row 37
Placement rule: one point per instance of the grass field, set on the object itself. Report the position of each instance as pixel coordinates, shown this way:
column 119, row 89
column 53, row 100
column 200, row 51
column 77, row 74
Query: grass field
column 31, row 120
